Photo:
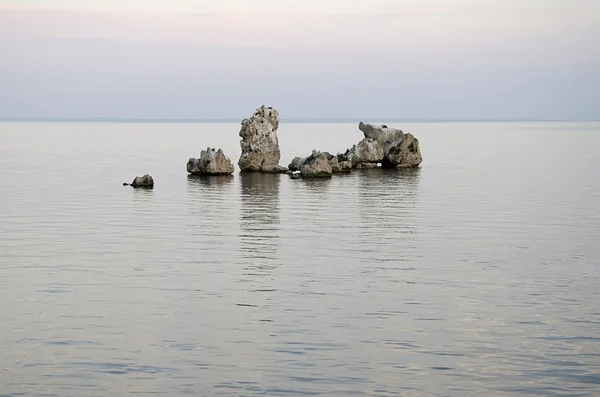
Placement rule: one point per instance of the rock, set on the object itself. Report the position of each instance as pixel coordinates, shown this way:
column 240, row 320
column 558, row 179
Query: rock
column 143, row 181
column 367, row 151
column 211, row 162
column 316, row 165
column 340, row 166
column 399, row 149
column 296, row 163
column 274, row 169
column 403, row 153
column 260, row 145
column 381, row 133
column 296, row 175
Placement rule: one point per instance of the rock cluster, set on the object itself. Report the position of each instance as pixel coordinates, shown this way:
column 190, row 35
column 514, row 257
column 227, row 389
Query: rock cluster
column 382, row 146
column 399, row 149
column 211, row 162
column 260, row 145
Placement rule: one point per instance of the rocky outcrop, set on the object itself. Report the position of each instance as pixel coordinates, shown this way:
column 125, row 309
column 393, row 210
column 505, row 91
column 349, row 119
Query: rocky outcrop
column 274, row 169
column 296, row 175
column 260, row 145
column 338, row 166
column 316, row 165
column 380, row 133
column 211, row 162
column 367, row 151
column 296, row 163
column 399, row 149
column 404, row 152
column 142, row 181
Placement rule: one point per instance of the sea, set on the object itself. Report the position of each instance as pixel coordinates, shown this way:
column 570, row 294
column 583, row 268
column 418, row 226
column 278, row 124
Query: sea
column 476, row 274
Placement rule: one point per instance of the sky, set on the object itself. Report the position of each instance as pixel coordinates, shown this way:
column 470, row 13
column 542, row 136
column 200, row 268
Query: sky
column 352, row 59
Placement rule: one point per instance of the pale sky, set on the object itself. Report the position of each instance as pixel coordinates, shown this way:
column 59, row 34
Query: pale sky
column 353, row 59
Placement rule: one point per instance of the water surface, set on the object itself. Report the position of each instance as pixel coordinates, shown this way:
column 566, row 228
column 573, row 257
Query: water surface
column 476, row 274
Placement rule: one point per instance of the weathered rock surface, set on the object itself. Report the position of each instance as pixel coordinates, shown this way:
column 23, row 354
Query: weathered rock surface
column 316, row 165
column 338, row 166
column 367, row 151
column 403, row 153
column 296, row 163
column 260, row 145
column 143, row 181
column 274, row 169
column 380, row 133
column 399, row 149
column 211, row 162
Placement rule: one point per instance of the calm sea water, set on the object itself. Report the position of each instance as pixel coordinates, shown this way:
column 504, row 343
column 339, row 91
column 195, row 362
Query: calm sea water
column 476, row 275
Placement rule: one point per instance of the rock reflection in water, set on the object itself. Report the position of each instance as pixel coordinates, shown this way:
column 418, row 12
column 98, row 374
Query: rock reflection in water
column 259, row 220
column 387, row 205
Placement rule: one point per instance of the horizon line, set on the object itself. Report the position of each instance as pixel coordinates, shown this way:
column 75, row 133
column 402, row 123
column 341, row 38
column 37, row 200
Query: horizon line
column 308, row 120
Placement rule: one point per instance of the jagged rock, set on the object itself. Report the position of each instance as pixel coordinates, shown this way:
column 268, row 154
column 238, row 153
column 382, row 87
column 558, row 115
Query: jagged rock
column 143, row 181
column 340, row 166
column 399, row 149
column 403, row 153
column 260, row 145
column 316, row 165
column 296, row 163
column 274, row 169
column 367, row 151
column 381, row 133
column 211, row 162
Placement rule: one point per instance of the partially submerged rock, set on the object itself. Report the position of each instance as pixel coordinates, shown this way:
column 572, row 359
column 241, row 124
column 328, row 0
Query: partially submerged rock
column 399, row 149
column 142, row 181
column 367, row 151
column 338, row 166
column 260, row 145
column 403, row 153
column 296, row 163
column 274, row 169
column 316, row 165
column 211, row 162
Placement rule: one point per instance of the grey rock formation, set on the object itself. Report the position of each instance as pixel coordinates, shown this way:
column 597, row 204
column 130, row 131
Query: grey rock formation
column 274, row 169
column 399, row 149
column 316, row 165
column 296, row 163
column 367, row 151
column 211, row 162
column 143, row 181
column 380, row 133
column 403, row 153
column 260, row 145
column 338, row 166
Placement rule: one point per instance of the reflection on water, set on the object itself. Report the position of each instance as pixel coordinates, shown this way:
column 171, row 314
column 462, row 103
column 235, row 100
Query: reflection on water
column 208, row 180
column 259, row 219
column 387, row 205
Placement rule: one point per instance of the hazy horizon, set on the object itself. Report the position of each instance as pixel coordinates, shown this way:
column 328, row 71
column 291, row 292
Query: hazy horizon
column 378, row 59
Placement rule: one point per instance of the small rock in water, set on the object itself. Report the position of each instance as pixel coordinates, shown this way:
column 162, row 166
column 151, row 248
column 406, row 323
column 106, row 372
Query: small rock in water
column 211, row 162
column 143, row 181
column 296, row 175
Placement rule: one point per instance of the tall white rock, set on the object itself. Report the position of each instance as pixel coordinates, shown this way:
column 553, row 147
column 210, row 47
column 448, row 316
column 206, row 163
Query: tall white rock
column 260, row 145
